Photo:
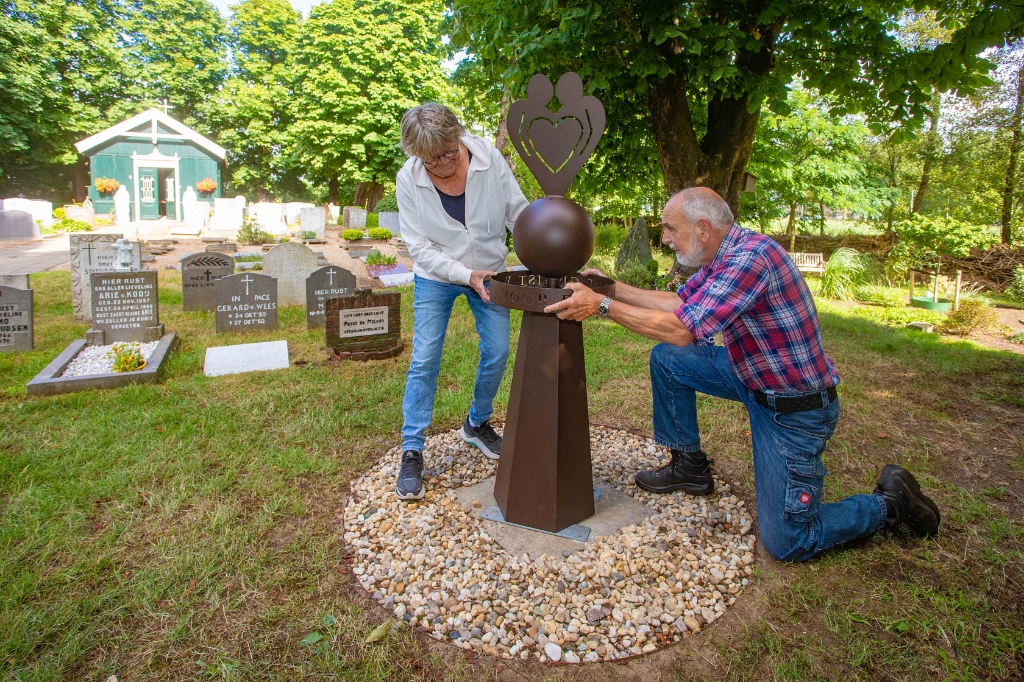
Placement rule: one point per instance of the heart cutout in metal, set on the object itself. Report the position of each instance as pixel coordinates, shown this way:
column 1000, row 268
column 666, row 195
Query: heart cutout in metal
column 555, row 143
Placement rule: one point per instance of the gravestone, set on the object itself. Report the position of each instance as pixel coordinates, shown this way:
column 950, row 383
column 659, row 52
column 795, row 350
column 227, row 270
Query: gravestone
column 246, row 302
column 325, row 283
column 334, row 209
column 313, row 220
column 290, row 264
column 268, row 216
column 389, row 219
column 228, row 214
column 125, row 307
column 354, row 217
column 15, row 224
column 41, row 211
column 85, row 214
column 199, row 275
column 93, row 253
column 246, row 357
column 364, row 325
column 636, row 248
column 293, row 209
column 15, row 320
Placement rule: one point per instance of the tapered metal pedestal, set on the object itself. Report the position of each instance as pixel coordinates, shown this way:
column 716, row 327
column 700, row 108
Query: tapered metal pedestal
column 544, row 478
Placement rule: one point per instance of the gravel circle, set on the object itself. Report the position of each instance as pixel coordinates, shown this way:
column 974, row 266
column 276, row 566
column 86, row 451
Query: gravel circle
column 94, row 360
column 433, row 564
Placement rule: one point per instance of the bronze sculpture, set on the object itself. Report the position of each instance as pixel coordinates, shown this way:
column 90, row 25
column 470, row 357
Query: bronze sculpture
column 545, row 477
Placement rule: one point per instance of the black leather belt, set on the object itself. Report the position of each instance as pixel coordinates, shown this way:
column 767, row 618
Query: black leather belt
column 802, row 403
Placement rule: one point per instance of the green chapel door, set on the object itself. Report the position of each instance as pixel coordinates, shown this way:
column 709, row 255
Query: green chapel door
column 171, row 211
column 149, row 194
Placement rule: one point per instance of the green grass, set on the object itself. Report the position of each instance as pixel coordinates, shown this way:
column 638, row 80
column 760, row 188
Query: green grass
column 191, row 529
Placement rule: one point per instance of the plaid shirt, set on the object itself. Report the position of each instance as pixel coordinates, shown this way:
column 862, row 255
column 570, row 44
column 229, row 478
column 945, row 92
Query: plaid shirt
column 754, row 294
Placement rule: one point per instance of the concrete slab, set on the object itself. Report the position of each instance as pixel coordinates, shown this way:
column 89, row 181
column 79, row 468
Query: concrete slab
column 246, row 357
column 614, row 511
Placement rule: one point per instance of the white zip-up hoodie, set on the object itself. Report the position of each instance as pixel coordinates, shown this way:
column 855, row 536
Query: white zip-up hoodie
column 441, row 248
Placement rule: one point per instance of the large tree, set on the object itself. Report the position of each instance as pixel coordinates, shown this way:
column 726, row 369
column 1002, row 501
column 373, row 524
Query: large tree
column 694, row 76
column 360, row 65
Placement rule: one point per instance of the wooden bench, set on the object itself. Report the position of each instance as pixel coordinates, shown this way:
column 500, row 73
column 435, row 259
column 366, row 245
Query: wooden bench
column 809, row 262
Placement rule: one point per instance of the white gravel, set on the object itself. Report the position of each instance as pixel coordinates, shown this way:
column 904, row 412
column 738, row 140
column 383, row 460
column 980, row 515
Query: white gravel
column 621, row 595
column 94, row 360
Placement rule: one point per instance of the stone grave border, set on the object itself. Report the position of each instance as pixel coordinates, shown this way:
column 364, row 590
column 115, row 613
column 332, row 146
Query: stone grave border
column 50, row 382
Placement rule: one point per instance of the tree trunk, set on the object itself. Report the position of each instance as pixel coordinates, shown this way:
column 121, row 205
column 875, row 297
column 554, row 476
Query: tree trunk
column 501, row 139
column 368, row 194
column 821, row 224
column 332, row 191
column 931, row 152
column 80, row 180
column 791, row 226
column 262, row 195
column 1011, row 167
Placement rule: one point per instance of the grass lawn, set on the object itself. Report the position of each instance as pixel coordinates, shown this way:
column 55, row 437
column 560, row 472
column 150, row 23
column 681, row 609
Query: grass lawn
column 191, row 529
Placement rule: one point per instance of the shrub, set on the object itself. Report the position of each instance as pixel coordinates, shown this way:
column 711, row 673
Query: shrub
column 249, row 258
column 610, row 235
column 932, row 237
column 106, row 185
column 127, row 356
column 883, row 296
column 845, row 271
column 1015, row 289
column 975, row 314
column 389, row 204
column 251, row 233
column 377, row 258
column 352, row 235
column 58, row 213
column 379, row 233
column 66, row 225
column 639, row 275
column 372, row 220
column 308, row 234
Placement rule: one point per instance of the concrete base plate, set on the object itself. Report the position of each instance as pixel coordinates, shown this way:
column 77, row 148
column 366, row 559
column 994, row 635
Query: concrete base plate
column 614, row 511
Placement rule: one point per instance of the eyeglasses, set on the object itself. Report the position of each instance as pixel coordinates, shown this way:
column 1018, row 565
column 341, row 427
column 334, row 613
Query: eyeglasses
column 447, row 155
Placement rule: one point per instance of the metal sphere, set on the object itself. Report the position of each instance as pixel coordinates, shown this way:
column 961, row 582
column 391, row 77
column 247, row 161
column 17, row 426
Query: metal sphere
column 553, row 237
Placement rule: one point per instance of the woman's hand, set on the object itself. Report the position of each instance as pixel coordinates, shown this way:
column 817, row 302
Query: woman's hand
column 477, row 279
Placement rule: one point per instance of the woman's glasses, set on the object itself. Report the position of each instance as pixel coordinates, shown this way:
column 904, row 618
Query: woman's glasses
column 446, row 155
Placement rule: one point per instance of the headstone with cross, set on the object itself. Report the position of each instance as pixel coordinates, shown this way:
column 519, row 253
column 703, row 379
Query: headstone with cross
column 199, row 275
column 325, row 283
column 93, row 253
column 246, row 302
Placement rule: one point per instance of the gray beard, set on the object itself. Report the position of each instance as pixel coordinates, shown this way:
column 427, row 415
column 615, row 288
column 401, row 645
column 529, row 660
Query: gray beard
column 694, row 258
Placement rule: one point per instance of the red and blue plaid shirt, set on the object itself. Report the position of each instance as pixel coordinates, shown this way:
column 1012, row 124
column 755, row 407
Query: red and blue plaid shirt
column 754, row 294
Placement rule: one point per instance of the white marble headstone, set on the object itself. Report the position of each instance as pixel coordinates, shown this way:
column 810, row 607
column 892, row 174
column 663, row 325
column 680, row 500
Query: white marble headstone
column 246, row 357
column 269, row 216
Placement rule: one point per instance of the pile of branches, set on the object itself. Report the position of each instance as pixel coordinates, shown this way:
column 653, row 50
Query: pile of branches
column 876, row 245
column 993, row 269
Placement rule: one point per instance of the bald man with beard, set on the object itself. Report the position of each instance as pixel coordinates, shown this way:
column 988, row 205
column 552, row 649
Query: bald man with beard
column 772, row 361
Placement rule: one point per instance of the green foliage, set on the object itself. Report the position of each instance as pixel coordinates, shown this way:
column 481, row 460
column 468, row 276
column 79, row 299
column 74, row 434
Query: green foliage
column 930, row 237
column 308, row 234
column 639, row 275
column 252, row 233
column 975, row 314
column 845, row 271
column 375, row 257
column 58, row 213
column 1015, row 289
column 127, row 356
column 352, row 234
column 388, row 204
column 610, row 236
column 1017, row 338
column 379, row 233
column 372, row 220
column 886, row 297
column 250, row 258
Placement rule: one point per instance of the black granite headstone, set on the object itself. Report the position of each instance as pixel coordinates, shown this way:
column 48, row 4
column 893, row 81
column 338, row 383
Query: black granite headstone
column 199, row 275
column 246, row 302
column 322, row 284
column 125, row 307
column 15, row 319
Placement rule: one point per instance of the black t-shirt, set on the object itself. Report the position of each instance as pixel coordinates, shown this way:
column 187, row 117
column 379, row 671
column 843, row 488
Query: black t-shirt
column 455, row 205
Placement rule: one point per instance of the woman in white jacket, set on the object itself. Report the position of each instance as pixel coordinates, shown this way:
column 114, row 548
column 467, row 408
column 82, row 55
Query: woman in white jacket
column 456, row 196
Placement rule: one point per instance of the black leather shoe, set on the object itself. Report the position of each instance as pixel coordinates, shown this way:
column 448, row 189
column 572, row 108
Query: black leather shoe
column 688, row 471
column 906, row 503
column 409, row 485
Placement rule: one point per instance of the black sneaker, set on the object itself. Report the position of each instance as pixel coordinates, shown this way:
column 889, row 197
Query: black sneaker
column 906, row 503
column 482, row 437
column 409, row 485
column 688, row 471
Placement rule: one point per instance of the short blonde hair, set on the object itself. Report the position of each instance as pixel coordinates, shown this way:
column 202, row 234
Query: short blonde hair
column 430, row 129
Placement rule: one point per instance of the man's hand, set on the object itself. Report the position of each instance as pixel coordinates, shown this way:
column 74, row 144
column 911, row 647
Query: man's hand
column 477, row 279
column 582, row 304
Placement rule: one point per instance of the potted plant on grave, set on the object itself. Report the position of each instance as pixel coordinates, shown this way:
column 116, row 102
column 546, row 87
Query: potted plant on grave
column 352, row 234
column 127, row 357
column 106, row 186
column 206, row 186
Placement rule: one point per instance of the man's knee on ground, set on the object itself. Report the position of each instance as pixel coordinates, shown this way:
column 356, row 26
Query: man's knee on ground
column 786, row 547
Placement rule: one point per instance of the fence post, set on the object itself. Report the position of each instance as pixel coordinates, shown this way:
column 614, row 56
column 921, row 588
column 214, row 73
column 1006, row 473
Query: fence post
column 956, row 294
column 911, row 301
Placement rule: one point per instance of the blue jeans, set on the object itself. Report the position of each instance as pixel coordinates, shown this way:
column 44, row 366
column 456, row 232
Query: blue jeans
column 431, row 308
column 788, row 472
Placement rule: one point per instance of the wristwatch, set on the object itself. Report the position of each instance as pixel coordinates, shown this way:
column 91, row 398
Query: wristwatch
column 606, row 304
